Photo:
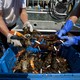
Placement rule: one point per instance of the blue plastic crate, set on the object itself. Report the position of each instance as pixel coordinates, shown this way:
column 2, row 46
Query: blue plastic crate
column 7, row 61
column 73, row 58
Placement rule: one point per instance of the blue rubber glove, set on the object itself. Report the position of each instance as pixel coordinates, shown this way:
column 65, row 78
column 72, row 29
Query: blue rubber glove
column 70, row 40
column 31, row 49
column 66, row 28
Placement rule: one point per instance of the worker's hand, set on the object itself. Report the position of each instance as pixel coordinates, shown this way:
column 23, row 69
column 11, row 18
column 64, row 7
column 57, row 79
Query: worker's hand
column 66, row 28
column 28, row 25
column 70, row 40
column 60, row 33
column 33, row 50
column 15, row 42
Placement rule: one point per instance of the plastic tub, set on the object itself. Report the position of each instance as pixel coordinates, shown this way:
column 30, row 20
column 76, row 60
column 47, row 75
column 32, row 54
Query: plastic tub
column 8, row 60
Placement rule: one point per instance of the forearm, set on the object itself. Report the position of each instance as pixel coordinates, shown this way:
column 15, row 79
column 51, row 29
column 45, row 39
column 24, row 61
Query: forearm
column 23, row 16
column 75, row 14
column 73, row 19
column 3, row 28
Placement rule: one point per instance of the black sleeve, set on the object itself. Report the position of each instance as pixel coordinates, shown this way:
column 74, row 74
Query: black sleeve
column 76, row 11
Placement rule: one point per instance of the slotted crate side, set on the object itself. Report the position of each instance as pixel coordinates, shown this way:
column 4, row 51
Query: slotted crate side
column 73, row 58
column 7, row 61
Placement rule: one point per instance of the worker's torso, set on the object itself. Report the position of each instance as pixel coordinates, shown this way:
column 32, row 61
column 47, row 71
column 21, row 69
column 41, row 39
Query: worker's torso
column 11, row 10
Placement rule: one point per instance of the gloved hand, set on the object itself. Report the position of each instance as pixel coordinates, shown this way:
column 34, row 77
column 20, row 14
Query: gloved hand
column 66, row 28
column 31, row 49
column 70, row 40
column 28, row 25
column 15, row 42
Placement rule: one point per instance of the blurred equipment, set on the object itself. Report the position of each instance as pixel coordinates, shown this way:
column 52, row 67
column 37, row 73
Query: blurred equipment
column 60, row 9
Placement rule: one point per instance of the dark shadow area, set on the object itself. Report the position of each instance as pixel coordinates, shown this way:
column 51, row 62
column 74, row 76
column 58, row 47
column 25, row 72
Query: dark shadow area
column 16, row 76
